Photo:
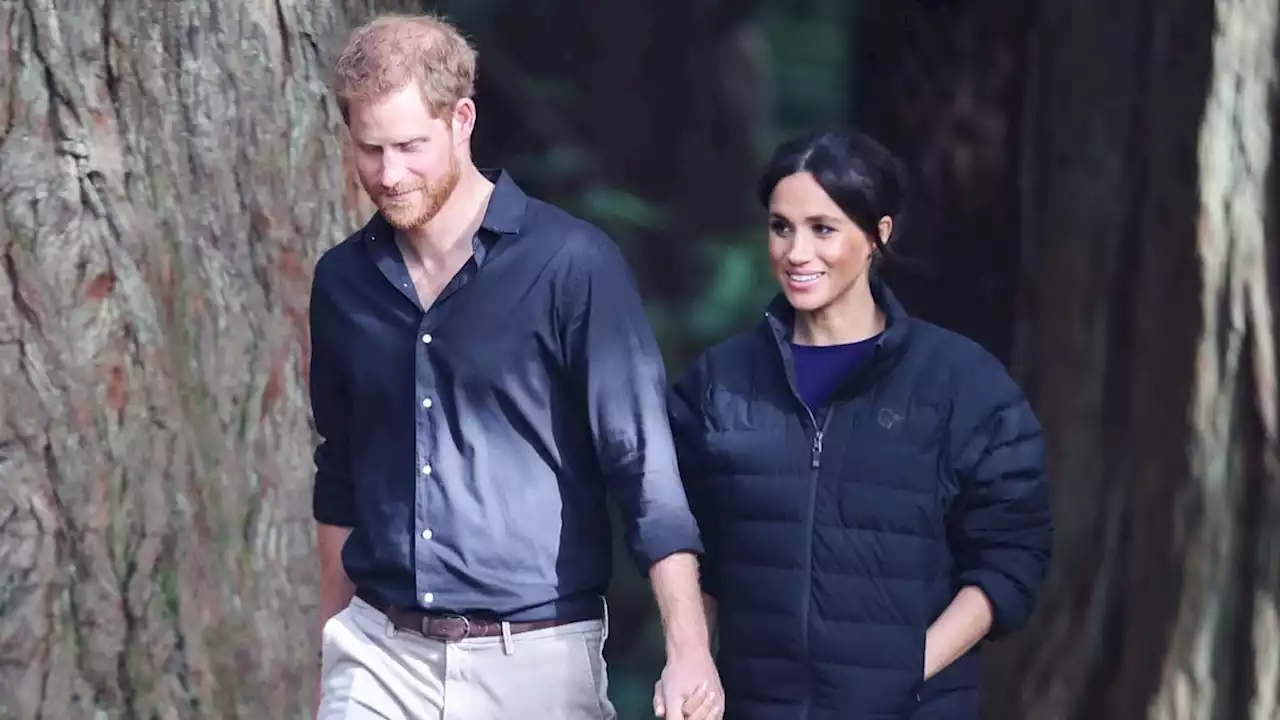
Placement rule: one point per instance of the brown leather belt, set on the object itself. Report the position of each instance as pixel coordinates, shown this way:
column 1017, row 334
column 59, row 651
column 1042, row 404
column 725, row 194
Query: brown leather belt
column 447, row 627
column 452, row 628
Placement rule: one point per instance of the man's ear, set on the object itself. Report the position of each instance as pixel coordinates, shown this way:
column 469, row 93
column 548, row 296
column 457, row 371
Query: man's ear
column 463, row 122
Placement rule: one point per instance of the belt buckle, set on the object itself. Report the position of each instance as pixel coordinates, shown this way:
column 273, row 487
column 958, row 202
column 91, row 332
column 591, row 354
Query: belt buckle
column 447, row 636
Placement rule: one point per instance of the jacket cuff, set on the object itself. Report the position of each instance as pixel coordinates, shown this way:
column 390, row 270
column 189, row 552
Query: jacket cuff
column 1009, row 606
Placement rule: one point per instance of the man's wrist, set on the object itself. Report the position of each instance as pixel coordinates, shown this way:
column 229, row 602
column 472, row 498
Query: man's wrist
column 690, row 646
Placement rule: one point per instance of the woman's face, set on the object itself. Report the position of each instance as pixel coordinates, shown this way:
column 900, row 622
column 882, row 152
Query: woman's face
column 818, row 254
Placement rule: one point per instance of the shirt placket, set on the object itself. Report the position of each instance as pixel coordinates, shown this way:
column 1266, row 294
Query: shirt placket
column 428, row 413
column 423, row 432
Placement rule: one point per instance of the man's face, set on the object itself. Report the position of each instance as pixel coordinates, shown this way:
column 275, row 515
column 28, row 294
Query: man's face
column 407, row 159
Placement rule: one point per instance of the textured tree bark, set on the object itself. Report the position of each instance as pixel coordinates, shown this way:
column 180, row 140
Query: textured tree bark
column 1146, row 342
column 168, row 174
column 1223, row 656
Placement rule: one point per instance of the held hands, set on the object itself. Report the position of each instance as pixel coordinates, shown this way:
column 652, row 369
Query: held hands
column 689, row 689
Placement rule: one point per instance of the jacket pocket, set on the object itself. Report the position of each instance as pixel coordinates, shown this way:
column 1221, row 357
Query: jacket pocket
column 917, row 692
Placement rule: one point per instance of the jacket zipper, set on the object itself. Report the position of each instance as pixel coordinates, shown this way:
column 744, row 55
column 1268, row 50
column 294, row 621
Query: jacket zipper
column 815, row 464
column 817, row 449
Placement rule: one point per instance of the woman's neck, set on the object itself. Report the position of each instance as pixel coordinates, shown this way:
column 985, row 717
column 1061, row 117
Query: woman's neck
column 848, row 319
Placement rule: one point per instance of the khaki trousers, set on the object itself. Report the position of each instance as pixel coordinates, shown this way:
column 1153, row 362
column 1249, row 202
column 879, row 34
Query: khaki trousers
column 372, row 670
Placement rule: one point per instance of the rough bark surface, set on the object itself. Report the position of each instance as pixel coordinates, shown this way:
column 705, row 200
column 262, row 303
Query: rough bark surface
column 1145, row 341
column 1223, row 659
column 169, row 172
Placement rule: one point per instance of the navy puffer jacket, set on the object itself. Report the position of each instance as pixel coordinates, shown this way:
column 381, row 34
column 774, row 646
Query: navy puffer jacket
column 833, row 542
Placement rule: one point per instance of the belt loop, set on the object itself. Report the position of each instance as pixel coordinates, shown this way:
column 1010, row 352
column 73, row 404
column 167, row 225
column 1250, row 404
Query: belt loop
column 508, row 646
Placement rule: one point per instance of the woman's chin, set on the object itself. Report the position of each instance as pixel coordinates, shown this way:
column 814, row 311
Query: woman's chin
column 805, row 301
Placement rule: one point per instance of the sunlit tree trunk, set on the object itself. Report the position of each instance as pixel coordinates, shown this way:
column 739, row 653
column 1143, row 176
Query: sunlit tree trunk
column 169, row 172
column 1224, row 658
column 1146, row 342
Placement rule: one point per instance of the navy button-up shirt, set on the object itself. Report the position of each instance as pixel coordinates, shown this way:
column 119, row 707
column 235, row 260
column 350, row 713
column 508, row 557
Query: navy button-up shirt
column 469, row 445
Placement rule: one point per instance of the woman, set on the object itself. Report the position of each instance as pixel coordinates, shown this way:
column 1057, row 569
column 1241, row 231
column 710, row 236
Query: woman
column 870, row 487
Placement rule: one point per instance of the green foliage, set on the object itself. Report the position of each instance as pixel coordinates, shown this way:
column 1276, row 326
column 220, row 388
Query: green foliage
column 810, row 45
column 739, row 287
column 618, row 211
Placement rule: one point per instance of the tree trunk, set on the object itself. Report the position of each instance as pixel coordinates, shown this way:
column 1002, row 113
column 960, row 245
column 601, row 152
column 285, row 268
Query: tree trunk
column 168, row 174
column 1223, row 658
column 941, row 84
column 1146, row 344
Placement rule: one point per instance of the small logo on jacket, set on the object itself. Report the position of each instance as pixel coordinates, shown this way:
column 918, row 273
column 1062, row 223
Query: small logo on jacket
column 888, row 418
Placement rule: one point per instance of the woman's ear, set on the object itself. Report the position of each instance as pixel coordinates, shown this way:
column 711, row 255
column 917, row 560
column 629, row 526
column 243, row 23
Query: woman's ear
column 886, row 229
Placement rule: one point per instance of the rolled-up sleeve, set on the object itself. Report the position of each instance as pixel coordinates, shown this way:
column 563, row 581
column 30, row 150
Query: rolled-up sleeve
column 1002, row 530
column 333, row 499
column 613, row 356
column 684, row 411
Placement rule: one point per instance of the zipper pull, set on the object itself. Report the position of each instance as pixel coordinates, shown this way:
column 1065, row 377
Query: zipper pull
column 817, row 450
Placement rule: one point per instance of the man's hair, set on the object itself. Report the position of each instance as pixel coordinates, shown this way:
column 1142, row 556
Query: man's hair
column 389, row 52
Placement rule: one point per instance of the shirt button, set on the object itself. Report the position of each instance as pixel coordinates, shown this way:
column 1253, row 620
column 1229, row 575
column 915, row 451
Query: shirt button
column 427, row 338
column 426, row 402
column 428, row 598
column 426, row 469
column 426, row 534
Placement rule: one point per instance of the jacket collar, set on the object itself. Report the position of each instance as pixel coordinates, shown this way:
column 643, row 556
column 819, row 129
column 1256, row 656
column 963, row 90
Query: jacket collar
column 780, row 321
column 781, row 317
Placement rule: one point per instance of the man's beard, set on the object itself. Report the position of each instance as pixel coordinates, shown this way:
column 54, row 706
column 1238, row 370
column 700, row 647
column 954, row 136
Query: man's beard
column 411, row 207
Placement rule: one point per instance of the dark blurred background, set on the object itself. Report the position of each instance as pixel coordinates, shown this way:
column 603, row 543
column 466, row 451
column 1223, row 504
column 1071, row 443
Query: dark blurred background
column 1094, row 201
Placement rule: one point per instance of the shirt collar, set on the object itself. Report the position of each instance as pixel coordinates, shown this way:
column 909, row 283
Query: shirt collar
column 502, row 216
column 507, row 203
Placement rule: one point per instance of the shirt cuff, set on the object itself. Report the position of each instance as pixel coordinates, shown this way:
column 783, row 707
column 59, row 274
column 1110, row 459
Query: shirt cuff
column 659, row 540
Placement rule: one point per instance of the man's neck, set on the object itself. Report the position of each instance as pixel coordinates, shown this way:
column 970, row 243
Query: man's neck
column 450, row 231
column 851, row 318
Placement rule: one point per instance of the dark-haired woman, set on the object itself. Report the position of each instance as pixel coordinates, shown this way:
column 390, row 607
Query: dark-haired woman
column 870, row 487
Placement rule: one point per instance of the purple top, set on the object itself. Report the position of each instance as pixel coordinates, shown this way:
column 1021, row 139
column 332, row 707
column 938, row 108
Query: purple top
column 821, row 368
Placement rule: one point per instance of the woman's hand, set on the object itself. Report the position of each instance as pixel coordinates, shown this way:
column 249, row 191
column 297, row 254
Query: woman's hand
column 703, row 704
column 961, row 626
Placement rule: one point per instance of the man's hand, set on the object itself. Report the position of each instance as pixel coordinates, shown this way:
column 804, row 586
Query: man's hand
column 693, row 686
column 336, row 589
column 689, row 682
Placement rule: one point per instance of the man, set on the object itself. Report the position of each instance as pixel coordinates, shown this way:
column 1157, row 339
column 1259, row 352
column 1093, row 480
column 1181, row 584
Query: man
column 481, row 373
